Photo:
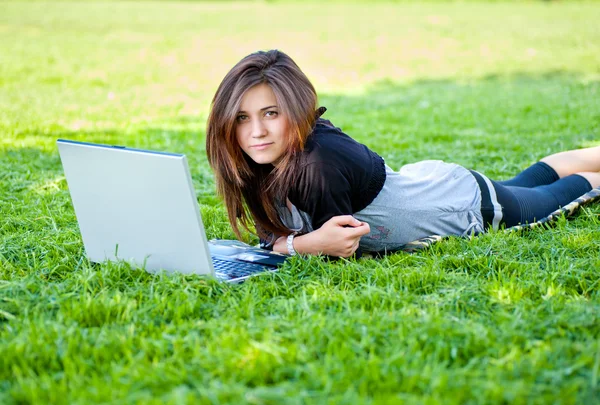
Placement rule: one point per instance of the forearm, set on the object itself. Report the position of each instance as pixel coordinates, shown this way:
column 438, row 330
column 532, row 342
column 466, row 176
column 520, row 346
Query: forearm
column 339, row 237
column 303, row 244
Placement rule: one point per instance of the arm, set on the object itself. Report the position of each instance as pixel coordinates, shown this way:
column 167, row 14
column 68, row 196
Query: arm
column 339, row 237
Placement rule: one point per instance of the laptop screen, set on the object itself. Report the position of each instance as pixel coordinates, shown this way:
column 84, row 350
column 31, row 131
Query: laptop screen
column 137, row 206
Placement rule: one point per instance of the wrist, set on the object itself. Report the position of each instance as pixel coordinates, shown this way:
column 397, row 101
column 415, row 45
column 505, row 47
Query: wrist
column 308, row 244
column 280, row 245
column 290, row 244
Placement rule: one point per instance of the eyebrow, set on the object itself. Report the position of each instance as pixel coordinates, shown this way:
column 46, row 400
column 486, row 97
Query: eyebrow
column 262, row 109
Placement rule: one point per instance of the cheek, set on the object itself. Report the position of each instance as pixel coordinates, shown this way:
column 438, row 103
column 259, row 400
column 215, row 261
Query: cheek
column 239, row 137
column 284, row 130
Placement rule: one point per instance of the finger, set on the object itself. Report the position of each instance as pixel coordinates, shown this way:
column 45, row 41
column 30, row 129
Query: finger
column 342, row 220
column 361, row 230
column 366, row 225
column 349, row 250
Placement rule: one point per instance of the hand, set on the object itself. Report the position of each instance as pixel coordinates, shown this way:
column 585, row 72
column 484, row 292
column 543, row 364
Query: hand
column 340, row 236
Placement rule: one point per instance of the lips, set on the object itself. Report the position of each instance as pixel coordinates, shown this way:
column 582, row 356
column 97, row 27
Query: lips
column 261, row 146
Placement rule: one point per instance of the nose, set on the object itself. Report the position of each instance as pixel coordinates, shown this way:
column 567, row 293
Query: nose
column 258, row 129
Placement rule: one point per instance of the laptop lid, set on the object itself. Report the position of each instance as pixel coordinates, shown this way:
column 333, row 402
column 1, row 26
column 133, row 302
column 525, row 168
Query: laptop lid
column 136, row 205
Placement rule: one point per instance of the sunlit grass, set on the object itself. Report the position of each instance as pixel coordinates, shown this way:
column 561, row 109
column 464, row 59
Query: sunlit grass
column 502, row 318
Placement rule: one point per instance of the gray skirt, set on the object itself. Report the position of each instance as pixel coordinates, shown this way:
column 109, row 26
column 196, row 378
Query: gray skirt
column 422, row 199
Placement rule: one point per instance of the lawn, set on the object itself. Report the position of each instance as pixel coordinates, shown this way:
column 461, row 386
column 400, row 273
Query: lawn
column 501, row 318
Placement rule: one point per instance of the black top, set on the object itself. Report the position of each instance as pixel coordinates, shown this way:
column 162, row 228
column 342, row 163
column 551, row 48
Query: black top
column 338, row 176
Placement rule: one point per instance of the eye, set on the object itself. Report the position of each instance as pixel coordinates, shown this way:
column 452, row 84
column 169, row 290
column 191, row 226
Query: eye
column 271, row 113
column 241, row 117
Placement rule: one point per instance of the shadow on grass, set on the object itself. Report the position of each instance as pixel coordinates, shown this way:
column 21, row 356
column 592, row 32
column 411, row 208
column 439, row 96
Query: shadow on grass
column 498, row 124
column 470, row 121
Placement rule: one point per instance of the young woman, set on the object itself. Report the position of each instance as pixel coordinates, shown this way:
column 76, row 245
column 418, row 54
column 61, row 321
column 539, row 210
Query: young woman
column 309, row 188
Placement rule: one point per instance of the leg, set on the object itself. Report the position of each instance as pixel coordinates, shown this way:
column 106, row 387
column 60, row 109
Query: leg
column 522, row 205
column 592, row 177
column 538, row 174
column 574, row 161
column 559, row 165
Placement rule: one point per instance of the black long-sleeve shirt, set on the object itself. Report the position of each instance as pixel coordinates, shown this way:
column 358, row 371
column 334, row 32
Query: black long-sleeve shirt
column 337, row 176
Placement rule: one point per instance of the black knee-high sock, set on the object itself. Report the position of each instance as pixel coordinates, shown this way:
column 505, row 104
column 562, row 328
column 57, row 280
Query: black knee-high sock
column 528, row 204
column 538, row 174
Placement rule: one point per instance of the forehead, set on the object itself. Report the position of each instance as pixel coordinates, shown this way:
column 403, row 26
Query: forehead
column 258, row 97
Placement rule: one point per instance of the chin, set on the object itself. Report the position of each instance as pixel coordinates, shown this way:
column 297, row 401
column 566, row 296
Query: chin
column 263, row 160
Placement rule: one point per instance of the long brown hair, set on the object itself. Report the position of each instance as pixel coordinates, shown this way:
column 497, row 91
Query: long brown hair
column 251, row 190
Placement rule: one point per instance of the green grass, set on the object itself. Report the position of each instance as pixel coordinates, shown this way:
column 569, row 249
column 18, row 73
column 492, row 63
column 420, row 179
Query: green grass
column 502, row 318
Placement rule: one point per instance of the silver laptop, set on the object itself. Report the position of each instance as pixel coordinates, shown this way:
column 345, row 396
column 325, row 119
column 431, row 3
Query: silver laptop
column 140, row 207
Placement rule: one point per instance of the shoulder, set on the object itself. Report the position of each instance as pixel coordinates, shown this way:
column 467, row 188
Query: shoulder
column 328, row 145
column 321, row 172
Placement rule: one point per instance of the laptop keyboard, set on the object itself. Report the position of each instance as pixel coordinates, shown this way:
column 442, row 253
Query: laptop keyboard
column 226, row 269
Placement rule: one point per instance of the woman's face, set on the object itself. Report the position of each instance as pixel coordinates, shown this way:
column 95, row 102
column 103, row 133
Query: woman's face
column 261, row 129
